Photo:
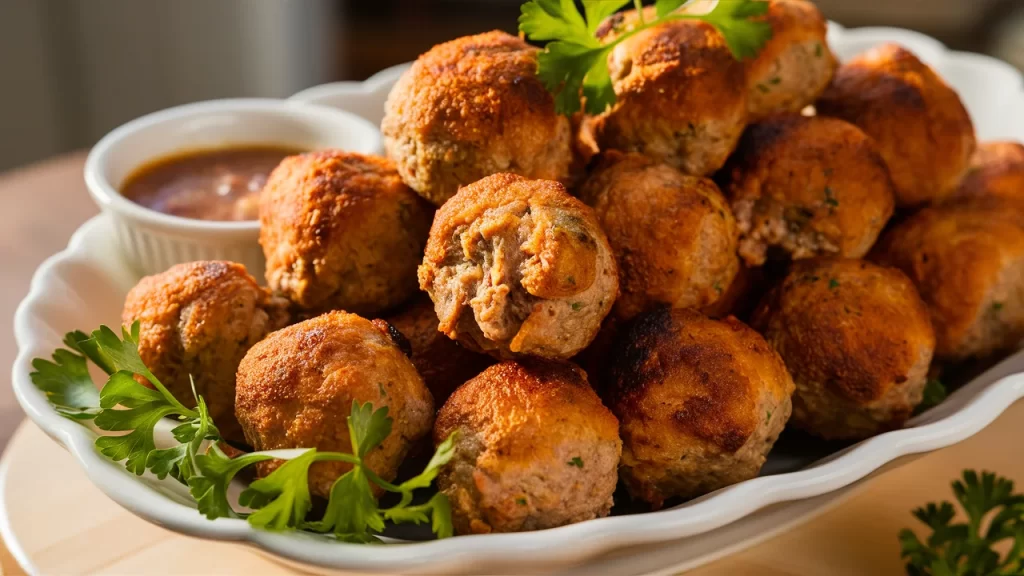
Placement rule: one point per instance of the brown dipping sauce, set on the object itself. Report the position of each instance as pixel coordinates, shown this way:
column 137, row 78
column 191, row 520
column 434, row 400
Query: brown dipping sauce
column 219, row 184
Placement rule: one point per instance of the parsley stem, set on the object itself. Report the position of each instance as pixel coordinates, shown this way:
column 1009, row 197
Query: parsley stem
column 639, row 4
column 179, row 407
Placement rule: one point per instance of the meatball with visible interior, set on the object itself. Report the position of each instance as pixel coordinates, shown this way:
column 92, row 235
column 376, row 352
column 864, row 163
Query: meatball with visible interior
column 922, row 129
column 519, row 267
column 673, row 234
column 535, row 449
column 295, row 389
column 700, row 403
column 795, row 65
column 443, row 364
column 808, row 186
column 676, row 94
column 341, row 232
column 967, row 261
column 857, row 340
column 996, row 171
column 197, row 321
column 470, row 108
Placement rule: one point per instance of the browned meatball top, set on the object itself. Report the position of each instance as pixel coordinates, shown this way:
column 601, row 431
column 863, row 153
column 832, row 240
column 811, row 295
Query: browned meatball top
column 341, row 231
column 795, row 65
column 674, row 235
column 922, row 129
column 809, row 185
column 470, row 108
column 198, row 319
column 518, row 266
column 858, row 327
column 677, row 92
column 996, row 171
column 967, row 261
column 296, row 388
column 721, row 368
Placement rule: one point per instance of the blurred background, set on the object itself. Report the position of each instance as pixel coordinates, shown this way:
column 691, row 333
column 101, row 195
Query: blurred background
column 72, row 70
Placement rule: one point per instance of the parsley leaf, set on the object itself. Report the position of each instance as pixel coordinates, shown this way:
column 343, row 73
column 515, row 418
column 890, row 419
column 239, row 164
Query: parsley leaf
column 135, row 446
column 214, row 472
column 969, row 548
column 574, row 62
column 67, row 384
column 367, row 427
column 352, row 508
column 934, row 394
column 281, row 498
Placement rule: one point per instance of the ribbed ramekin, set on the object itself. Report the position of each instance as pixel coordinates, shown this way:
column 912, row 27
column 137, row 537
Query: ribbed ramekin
column 151, row 241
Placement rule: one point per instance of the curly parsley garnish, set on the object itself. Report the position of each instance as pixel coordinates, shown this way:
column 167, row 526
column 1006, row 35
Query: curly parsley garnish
column 995, row 515
column 574, row 61
column 279, row 501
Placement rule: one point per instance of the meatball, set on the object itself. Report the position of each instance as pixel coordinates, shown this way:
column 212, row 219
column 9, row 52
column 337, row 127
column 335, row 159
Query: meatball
column 196, row 321
column 677, row 94
column 296, row 388
column 441, row 362
column 673, row 234
column 741, row 295
column 857, row 340
column 996, row 171
column 700, row 403
column 519, row 267
column 967, row 261
column 795, row 65
column 808, row 186
column 921, row 127
column 341, row 231
column 470, row 108
column 535, row 449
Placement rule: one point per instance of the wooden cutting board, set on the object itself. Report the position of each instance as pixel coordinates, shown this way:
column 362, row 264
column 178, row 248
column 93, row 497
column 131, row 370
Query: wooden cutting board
column 62, row 524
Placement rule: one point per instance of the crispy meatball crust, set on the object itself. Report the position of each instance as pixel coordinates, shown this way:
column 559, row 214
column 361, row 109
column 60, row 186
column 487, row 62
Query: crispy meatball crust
column 199, row 319
column 996, row 171
column 677, row 95
column 857, row 340
column 295, row 390
column 443, row 364
column 535, row 449
column 519, row 267
column 809, row 186
column 673, row 234
column 341, row 231
column 700, row 403
column 470, row 108
column 795, row 66
column 922, row 129
column 967, row 261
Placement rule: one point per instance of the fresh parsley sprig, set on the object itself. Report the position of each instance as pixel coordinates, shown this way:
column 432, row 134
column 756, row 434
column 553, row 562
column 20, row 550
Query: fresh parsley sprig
column 575, row 62
column 279, row 501
column 995, row 514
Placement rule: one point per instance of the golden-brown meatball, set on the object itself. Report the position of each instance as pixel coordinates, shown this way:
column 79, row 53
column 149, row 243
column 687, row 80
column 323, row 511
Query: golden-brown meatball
column 922, row 129
column 197, row 320
column 996, row 171
column 470, row 108
column 967, row 261
column 809, row 186
column 674, row 235
column 443, row 364
column 296, row 388
column 857, row 340
column 700, row 403
column 341, row 232
column 519, row 267
column 795, row 65
column 678, row 95
column 535, row 449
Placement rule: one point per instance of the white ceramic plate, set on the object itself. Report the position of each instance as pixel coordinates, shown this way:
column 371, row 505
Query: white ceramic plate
column 84, row 286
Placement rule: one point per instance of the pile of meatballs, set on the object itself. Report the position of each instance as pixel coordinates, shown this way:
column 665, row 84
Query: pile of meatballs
column 649, row 295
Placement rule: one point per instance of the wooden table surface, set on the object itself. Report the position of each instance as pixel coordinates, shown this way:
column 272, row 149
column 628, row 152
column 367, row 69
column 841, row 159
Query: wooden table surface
column 67, row 526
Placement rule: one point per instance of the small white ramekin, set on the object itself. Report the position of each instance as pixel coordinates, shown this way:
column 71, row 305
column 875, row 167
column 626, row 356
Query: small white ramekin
column 152, row 241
